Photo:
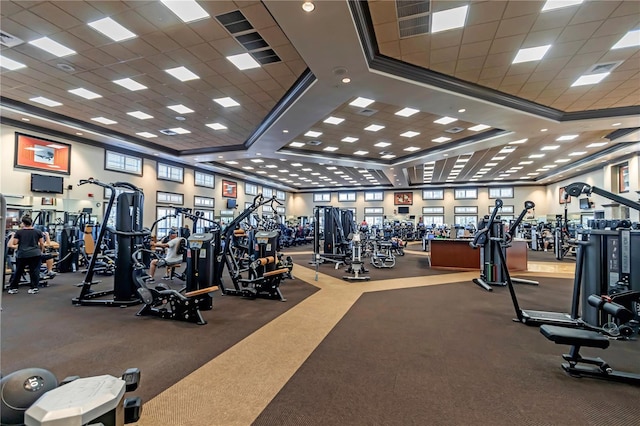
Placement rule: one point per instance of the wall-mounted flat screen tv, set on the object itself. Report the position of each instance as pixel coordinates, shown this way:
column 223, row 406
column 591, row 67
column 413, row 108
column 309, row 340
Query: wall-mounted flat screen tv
column 231, row 203
column 48, row 184
column 403, row 210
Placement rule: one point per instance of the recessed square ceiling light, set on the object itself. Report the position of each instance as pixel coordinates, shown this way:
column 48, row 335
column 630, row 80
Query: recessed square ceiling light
column 518, row 142
column 257, row 160
column 331, row 168
column 333, row 120
column 87, row 94
column 531, row 54
column 577, row 153
column 533, row 174
column 361, row 102
column 247, row 167
column 562, row 160
column 525, row 177
column 542, row 170
column 182, row 73
column 296, row 164
column 53, row 47
column 45, row 101
column 630, row 39
column 226, row 102
column 349, row 139
column 597, row 144
column 557, row 4
column 232, row 162
column 585, row 80
column 498, row 158
column 549, row 147
column 307, row 169
column 507, row 150
column 382, row 144
column 187, row 10
column 10, row 64
column 388, row 156
column 331, row 148
column 411, row 148
column 491, row 164
column 550, row 166
column 130, row 84
column 448, row 19
column 440, row 139
column 244, row 61
column 139, row 114
column 445, row 120
column 409, row 134
column 216, row 126
column 146, row 135
column 271, row 166
column 360, row 152
column 407, row 112
column 103, row 120
column 526, row 162
column 180, row 130
column 111, row 29
column 566, row 138
column 374, row 127
column 479, row 127
column 312, row 134
column 536, row 155
column 181, row 109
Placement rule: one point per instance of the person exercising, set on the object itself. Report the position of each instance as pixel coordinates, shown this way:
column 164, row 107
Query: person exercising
column 29, row 246
column 172, row 257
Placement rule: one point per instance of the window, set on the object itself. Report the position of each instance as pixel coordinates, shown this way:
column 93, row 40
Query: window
column 267, row 192
column 281, row 195
column 433, row 194
column 374, row 196
column 169, row 198
column 374, row 216
column 623, row 177
column 169, row 172
column 501, row 192
column 346, row 196
column 267, row 209
column 281, row 210
column 465, row 194
column 123, row 163
column 465, row 209
column 433, row 210
column 206, row 180
column 164, row 226
column 504, row 209
column 322, row 196
column 464, row 220
column 433, row 216
column 250, row 189
column 207, row 202
column 201, row 224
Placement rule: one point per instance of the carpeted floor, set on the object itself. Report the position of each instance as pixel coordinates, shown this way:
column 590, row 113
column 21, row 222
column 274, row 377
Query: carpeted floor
column 450, row 355
column 547, row 256
column 45, row 330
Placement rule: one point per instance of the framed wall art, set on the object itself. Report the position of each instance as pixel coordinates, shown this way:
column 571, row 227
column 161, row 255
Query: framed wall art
column 403, row 198
column 35, row 153
column 229, row 189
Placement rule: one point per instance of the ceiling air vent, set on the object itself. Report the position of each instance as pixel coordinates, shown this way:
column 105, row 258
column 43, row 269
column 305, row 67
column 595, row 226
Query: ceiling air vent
column 267, row 56
column 235, row 22
column 168, row 132
column 455, row 130
column 413, row 17
column 314, row 143
column 367, row 111
column 9, row 40
column 604, row 67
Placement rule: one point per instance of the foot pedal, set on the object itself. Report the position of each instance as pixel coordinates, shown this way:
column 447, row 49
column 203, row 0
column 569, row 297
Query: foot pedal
column 132, row 409
column 131, row 377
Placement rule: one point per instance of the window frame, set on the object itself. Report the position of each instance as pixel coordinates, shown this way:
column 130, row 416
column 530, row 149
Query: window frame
column 456, row 196
column 158, row 201
column 125, row 158
column 373, row 196
column 250, row 189
column 211, row 206
column 435, row 192
column 345, row 196
column 321, row 197
column 202, row 185
column 509, row 192
column 170, row 169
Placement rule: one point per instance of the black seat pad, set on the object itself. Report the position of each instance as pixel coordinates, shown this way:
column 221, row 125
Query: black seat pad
column 573, row 336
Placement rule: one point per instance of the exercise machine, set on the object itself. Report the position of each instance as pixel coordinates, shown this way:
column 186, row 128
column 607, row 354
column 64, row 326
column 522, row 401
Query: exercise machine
column 203, row 250
column 595, row 367
column 33, row 397
column 356, row 267
column 493, row 242
column 382, row 256
column 334, row 242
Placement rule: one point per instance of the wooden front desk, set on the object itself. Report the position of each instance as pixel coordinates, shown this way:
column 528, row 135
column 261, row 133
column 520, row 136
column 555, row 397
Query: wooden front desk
column 458, row 254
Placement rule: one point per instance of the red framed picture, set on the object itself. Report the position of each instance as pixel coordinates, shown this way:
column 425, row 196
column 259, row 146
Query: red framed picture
column 36, row 153
column 229, row 189
column 403, row 198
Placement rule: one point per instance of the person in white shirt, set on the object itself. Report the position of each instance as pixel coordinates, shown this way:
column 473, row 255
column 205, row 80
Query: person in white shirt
column 172, row 257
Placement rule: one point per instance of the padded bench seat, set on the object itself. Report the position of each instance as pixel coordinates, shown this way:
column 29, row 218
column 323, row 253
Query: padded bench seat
column 574, row 337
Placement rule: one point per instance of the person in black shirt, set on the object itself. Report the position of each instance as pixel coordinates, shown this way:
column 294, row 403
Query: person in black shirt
column 29, row 245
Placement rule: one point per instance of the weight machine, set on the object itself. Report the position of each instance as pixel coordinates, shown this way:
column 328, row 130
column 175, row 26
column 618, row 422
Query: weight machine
column 493, row 242
column 335, row 245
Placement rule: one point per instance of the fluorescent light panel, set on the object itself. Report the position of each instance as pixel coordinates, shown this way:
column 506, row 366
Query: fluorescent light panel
column 112, row 29
column 558, row 4
column 180, row 130
column 243, row 61
column 103, row 120
column 182, row 73
column 409, row 134
column 349, row 139
column 130, row 84
column 186, row 10
column 445, row 120
column 216, row 126
column 382, row 144
column 226, row 102
column 312, row 134
column 566, row 138
column 146, row 135
column 181, row 109
column 361, row 102
column 374, row 127
column 84, row 93
column 53, row 47
column 407, row 112
column 585, row 80
column 479, row 127
column 448, row 19
column 331, row 148
column 411, row 148
column 531, row 54
column 10, row 64
column 597, row 144
column 140, row 115
column 630, row 39
column 333, row 120
column 45, row 101
column 440, row 139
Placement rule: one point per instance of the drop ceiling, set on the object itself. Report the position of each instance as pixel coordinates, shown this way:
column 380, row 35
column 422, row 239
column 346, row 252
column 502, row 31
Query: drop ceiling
column 465, row 74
